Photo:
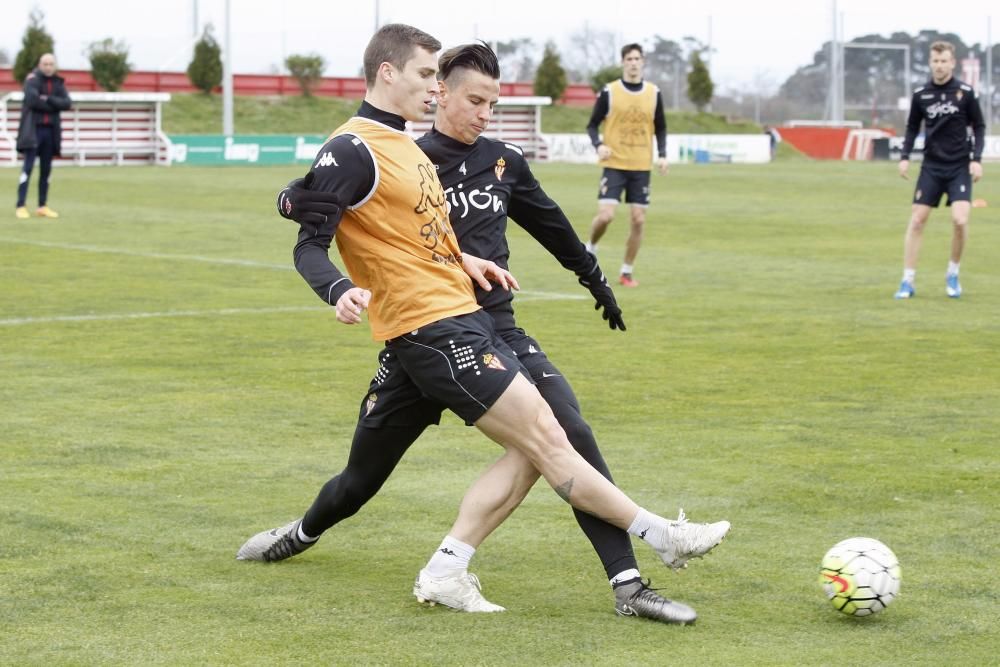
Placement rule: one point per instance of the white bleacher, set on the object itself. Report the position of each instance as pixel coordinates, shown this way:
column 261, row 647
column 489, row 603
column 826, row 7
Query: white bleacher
column 516, row 120
column 100, row 129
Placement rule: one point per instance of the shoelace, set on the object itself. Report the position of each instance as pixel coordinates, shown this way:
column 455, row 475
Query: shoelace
column 283, row 548
column 648, row 595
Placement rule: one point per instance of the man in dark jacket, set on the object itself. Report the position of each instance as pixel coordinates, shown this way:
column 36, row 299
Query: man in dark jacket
column 39, row 133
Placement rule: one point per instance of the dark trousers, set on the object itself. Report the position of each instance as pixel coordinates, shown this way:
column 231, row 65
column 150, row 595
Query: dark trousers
column 44, row 151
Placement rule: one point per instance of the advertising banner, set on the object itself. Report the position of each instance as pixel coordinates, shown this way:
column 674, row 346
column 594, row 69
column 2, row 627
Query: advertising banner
column 263, row 149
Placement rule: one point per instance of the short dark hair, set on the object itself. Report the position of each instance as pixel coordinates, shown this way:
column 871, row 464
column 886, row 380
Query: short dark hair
column 394, row 44
column 629, row 48
column 476, row 57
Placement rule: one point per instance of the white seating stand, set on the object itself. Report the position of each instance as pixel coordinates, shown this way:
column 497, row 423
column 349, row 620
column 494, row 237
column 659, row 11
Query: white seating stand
column 100, row 129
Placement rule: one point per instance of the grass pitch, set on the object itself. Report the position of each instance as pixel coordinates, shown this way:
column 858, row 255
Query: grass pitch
column 170, row 386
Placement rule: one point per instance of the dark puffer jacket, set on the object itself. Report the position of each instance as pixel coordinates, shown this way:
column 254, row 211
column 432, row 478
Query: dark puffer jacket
column 44, row 98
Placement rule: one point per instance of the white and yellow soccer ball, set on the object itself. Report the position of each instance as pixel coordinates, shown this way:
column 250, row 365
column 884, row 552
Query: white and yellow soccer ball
column 860, row 576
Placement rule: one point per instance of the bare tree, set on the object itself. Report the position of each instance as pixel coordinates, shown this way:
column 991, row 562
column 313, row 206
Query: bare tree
column 518, row 59
column 588, row 51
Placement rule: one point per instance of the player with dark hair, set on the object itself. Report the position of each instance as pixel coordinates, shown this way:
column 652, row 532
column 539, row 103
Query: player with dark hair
column 632, row 113
column 399, row 406
column 947, row 108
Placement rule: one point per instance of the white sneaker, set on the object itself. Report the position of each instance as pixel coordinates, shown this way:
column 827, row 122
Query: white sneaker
column 459, row 591
column 685, row 540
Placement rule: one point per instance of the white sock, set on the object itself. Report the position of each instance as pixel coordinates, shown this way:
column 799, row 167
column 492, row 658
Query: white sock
column 649, row 527
column 952, row 268
column 909, row 275
column 451, row 555
column 627, row 575
column 303, row 537
column 627, row 268
column 591, row 247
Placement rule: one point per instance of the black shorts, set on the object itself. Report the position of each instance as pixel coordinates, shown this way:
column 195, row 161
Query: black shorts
column 530, row 354
column 459, row 362
column 635, row 184
column 936, row 179
column 393, row 399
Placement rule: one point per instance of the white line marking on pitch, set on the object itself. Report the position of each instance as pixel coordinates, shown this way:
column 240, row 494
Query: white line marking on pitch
column 153, row 255
column 110, row 317
column 14, row 321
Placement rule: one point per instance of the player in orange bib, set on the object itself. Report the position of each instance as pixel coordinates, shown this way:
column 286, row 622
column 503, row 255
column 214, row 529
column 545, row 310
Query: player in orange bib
column 631, row 111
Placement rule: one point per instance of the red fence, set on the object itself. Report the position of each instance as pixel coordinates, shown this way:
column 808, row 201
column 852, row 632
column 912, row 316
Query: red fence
column 267, row 84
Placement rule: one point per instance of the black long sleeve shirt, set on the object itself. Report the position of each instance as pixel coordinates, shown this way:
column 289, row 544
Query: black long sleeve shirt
column 947, row 111
column 353, row 181
column 485, row 183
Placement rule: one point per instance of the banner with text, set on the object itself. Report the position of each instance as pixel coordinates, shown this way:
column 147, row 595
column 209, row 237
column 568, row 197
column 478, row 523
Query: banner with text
column 263, row 149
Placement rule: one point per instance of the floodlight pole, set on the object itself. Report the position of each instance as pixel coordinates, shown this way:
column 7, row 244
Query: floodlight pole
column 227, row 81
column 989, row 75
column 834, row 109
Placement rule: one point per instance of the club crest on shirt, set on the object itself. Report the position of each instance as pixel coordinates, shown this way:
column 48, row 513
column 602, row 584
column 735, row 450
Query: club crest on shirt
column 370, row 403
column 499, row 168
column 493, row 361
column 958, row 95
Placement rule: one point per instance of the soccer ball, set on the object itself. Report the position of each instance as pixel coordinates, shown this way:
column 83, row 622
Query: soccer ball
column 860, row 576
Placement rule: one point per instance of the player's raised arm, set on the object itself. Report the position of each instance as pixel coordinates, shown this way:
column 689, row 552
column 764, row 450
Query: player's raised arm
column 539, row 215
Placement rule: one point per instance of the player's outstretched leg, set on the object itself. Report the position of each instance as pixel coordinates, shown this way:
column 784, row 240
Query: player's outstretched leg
column 638, row 599
column 275, row 544
column 678, row 541
column 459, row 590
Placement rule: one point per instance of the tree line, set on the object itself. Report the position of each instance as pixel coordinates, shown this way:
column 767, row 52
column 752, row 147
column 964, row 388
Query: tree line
column 873, row 78
column 109, row 63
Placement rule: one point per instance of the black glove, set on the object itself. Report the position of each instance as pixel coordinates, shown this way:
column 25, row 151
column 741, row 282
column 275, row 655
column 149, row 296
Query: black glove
column 598, row 286
column 304, row 206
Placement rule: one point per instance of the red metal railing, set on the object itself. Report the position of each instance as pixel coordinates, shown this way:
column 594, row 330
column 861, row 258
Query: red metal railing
column 268, row 84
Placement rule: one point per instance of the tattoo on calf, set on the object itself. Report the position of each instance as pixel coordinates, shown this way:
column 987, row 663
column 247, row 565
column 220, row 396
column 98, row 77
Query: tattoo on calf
column 563, row 490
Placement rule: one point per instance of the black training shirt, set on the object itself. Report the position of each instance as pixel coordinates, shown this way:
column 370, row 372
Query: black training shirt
column 947, row 111
column 484, row 183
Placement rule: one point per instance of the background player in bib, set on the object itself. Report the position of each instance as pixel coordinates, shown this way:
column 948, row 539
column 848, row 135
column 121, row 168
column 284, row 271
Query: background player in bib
column 632, row 113
column 947, row 108
column 412, row 389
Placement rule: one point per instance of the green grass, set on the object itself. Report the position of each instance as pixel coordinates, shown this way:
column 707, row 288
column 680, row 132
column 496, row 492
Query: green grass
column 294, row 114
column 564, row 119
column 170, row 386
column 202, row 114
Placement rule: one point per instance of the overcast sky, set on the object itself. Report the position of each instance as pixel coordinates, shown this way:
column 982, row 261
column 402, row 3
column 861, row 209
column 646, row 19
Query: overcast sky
column 762, row 40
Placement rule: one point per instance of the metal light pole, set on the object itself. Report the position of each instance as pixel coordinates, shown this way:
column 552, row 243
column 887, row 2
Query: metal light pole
column 834, row 111
column 227, row 81
column 989, row 75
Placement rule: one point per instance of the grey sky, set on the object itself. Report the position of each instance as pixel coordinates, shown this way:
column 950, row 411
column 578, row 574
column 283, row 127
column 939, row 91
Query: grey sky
column 755, row 41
